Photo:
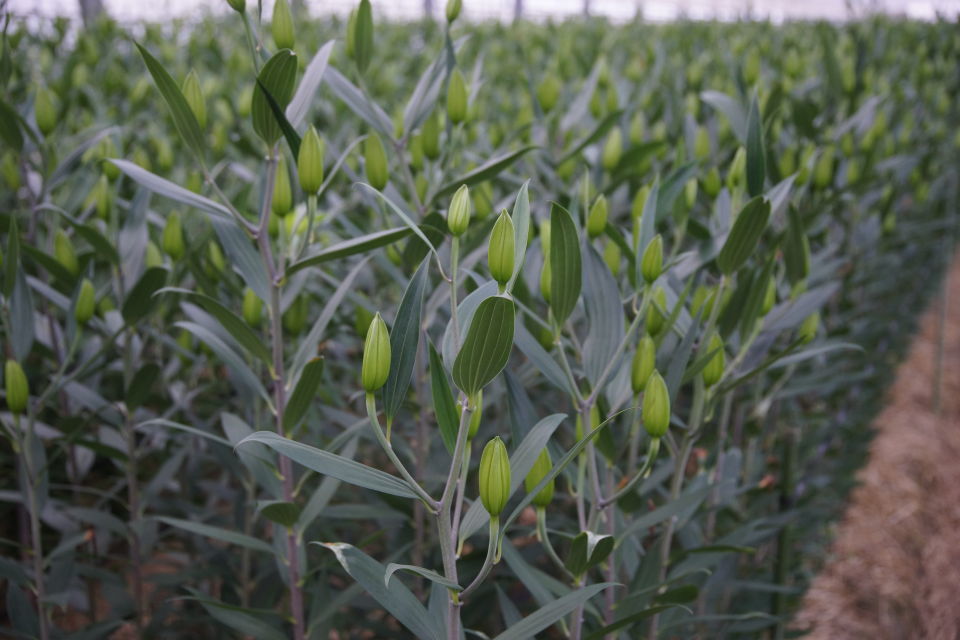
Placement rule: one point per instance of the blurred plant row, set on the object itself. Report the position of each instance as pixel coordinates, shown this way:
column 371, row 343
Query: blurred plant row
column 324, row 329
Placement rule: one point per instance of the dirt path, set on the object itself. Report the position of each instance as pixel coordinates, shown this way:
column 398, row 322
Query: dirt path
column 894, row 569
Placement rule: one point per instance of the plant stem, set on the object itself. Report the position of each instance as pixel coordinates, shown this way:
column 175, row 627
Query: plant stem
column 489, row 561
column 392, row 455
column 454, row 263
column 36, row 540
column 447, row 539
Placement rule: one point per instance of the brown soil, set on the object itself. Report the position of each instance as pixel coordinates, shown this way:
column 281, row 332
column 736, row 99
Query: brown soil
column 894, row 568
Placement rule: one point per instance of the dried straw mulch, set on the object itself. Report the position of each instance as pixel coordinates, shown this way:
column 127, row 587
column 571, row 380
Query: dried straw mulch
column 894, row 568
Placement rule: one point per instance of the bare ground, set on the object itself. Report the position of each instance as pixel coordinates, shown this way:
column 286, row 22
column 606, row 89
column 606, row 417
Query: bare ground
column 894, row 568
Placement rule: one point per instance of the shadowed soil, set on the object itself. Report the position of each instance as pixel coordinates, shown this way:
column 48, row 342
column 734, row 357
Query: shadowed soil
column 894, row 568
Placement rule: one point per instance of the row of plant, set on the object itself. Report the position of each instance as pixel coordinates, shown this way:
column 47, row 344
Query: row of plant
column 439, row 330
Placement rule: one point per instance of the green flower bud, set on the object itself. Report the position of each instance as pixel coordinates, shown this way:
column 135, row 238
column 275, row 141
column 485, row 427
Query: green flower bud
column 282, row 200
column 152, row 257
column 458, row 215
column 701, row 144
column 711, row 183
column 656, row 406
column 652, row 262
column 215, row 260
column 597, row 218
column 655, row 317
column 238, row 5
column 375, row 157
column 690, row 192
column 64, row 252
column 808, row 330
column 538, row 472
column 612, row 150
column 45, row 110
column 194, row 95
column 295, row 319
column 86, row 302
column 18, row 390
column 376, row 355
column 282, row 25
column 172, row 240
column 500, row 250
column 769, row 297
column 103, row 197
column 637, row 126
column 494, row 477
column 350, row 44
column 453, row 10
column 310, row 162
column 644, row 362
column 823, row 170
column 105, row 306
column 545, row 281
column 421, row 185
column 252, row 308
column 548, row 92
column 714, row 369
column 363, row 36
column 611, row 255
column 457, row 97
column 738, row 169
column 430, row 134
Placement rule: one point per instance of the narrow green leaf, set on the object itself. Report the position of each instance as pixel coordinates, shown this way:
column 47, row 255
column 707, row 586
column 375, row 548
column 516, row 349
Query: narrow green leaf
column 587, row 550
column 11, row 259
column 312, row 77
column 277, row 78
column 730, row 108
column 396, row 599
column 140, row 300
column 10, row 127
column 404, row 342
column 406, row 219
column 353, row 246
column 486, row 171
column 283, row 513
column 487, row 346
column 549, row 614
column 291, row 135
column 331, row 464
column 443, row 404
column 744, row 235
column 521, row 231
column 566, row 270
column 433, row 576
column 756, row 161
column 167, row 189
column 367, row 110
column 218, row 533
column 141, row 385
column 240, row 620
column 234, row 324
column 183, row 117
column 303, row 394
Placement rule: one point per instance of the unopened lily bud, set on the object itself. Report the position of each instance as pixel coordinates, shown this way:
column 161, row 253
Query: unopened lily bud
column 215, row 260
column 430, row 134
column 252, row 308
column 644, row 362
column 18, row 390
column 611, row 256
column 64, row 252
column 738, row 168
column 823, row 170
column 538, row 472
column 363, row 36
column 453, row 10
column 282, row 25
column 639, row 202
column 152, row 256
column 500, row 251
column 655, row 317
column 612, row 150
column 375, row 157
column 656, row 406
column 548, row 92
column 690, row 192
column 45, row 110
column 310, row 162
column 769, row 297
column 714, row 369
column 711, row 183
column 458, row 215
column 545, row 281
column 376, row 355
column 597, row 218
column 652, row 262
column 808, row 330
column 238, row 5
column 103, row 198
column 172, row 241
column 494, row 477
column 457, row 97
column 295, row 319
column 349, row 43
column 194, row 96
column 282, row 200
column 86, row 302
column 476, row 416
column 701, row 144
column 637, row 126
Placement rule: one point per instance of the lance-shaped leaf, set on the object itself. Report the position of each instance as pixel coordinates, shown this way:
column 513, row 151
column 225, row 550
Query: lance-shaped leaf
column 796, row 248
column 545, row 616
column 404, row 342
column 489, row 169
column 521, row 230
column 331, row 464
column 744, row 236
column 353, row 246
column 303, row 393
column 433, row 576
column 397, row 598
column 140, row 300
column 278, row 77
column 183, row 117
column 587, row 550
column 443, row 404
column 487, row 347
column 756, row 162
column 218, row 533
column 297, row 109
column 566, row 270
